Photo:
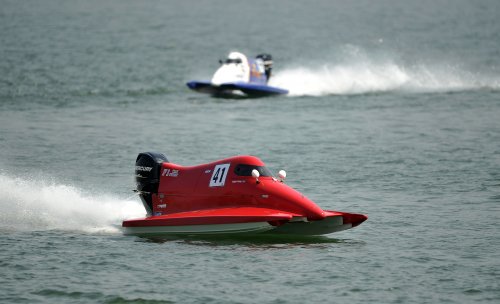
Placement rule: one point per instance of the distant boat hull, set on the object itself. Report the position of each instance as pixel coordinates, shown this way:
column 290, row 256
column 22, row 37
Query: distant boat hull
column 235, row 89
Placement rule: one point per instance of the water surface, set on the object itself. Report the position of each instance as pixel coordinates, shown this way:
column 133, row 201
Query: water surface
column 393, row 112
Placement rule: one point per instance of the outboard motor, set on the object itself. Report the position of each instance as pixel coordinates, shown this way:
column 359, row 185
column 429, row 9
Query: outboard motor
column 268, row 63
column 147, row 176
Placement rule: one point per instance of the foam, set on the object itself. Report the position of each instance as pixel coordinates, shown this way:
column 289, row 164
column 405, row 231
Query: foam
column 359, row 73
column 31, row 205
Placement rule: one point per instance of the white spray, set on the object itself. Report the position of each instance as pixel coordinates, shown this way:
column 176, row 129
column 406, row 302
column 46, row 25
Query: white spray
column 39, row 205
column 359, row 73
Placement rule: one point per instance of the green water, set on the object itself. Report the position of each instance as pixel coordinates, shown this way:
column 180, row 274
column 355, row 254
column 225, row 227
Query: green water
column 393, row 112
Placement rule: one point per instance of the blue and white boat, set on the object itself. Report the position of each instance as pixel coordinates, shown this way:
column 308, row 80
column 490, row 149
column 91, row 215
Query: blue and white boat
column 239, row 76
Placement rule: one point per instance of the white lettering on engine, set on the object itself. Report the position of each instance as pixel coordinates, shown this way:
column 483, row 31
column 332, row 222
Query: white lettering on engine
column 142, row 168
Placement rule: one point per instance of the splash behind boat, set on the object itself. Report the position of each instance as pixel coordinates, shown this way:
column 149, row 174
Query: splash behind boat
column 232, row 195
column 239, row 76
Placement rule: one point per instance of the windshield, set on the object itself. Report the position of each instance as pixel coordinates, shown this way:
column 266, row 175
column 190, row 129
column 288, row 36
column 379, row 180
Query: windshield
column 246, row 170
column 229, row 61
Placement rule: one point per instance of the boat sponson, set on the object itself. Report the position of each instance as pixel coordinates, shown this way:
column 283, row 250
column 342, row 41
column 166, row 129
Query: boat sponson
column 212, row 217
column 348, row 218
column 248, row 88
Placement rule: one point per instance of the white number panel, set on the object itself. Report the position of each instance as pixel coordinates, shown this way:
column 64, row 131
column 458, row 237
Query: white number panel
column 219, row 175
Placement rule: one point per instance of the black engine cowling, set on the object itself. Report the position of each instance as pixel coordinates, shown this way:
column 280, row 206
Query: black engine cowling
column 147, row 176
column 268, row 64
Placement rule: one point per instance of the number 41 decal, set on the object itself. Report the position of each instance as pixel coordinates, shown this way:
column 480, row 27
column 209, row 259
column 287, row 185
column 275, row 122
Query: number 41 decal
column 219, row 175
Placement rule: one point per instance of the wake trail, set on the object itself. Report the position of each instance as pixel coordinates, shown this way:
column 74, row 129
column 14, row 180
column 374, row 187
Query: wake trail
column 30, row 205
column 360, row 74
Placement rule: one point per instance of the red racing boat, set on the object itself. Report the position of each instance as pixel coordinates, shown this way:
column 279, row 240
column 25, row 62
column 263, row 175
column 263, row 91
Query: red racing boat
column 232, row 195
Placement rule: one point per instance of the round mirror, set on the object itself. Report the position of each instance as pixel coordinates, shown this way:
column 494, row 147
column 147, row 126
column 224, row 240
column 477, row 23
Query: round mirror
column 256, row 174
column 282, row 175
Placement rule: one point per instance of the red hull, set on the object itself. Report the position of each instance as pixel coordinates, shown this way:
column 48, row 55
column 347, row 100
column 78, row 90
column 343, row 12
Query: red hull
column 223, row 197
